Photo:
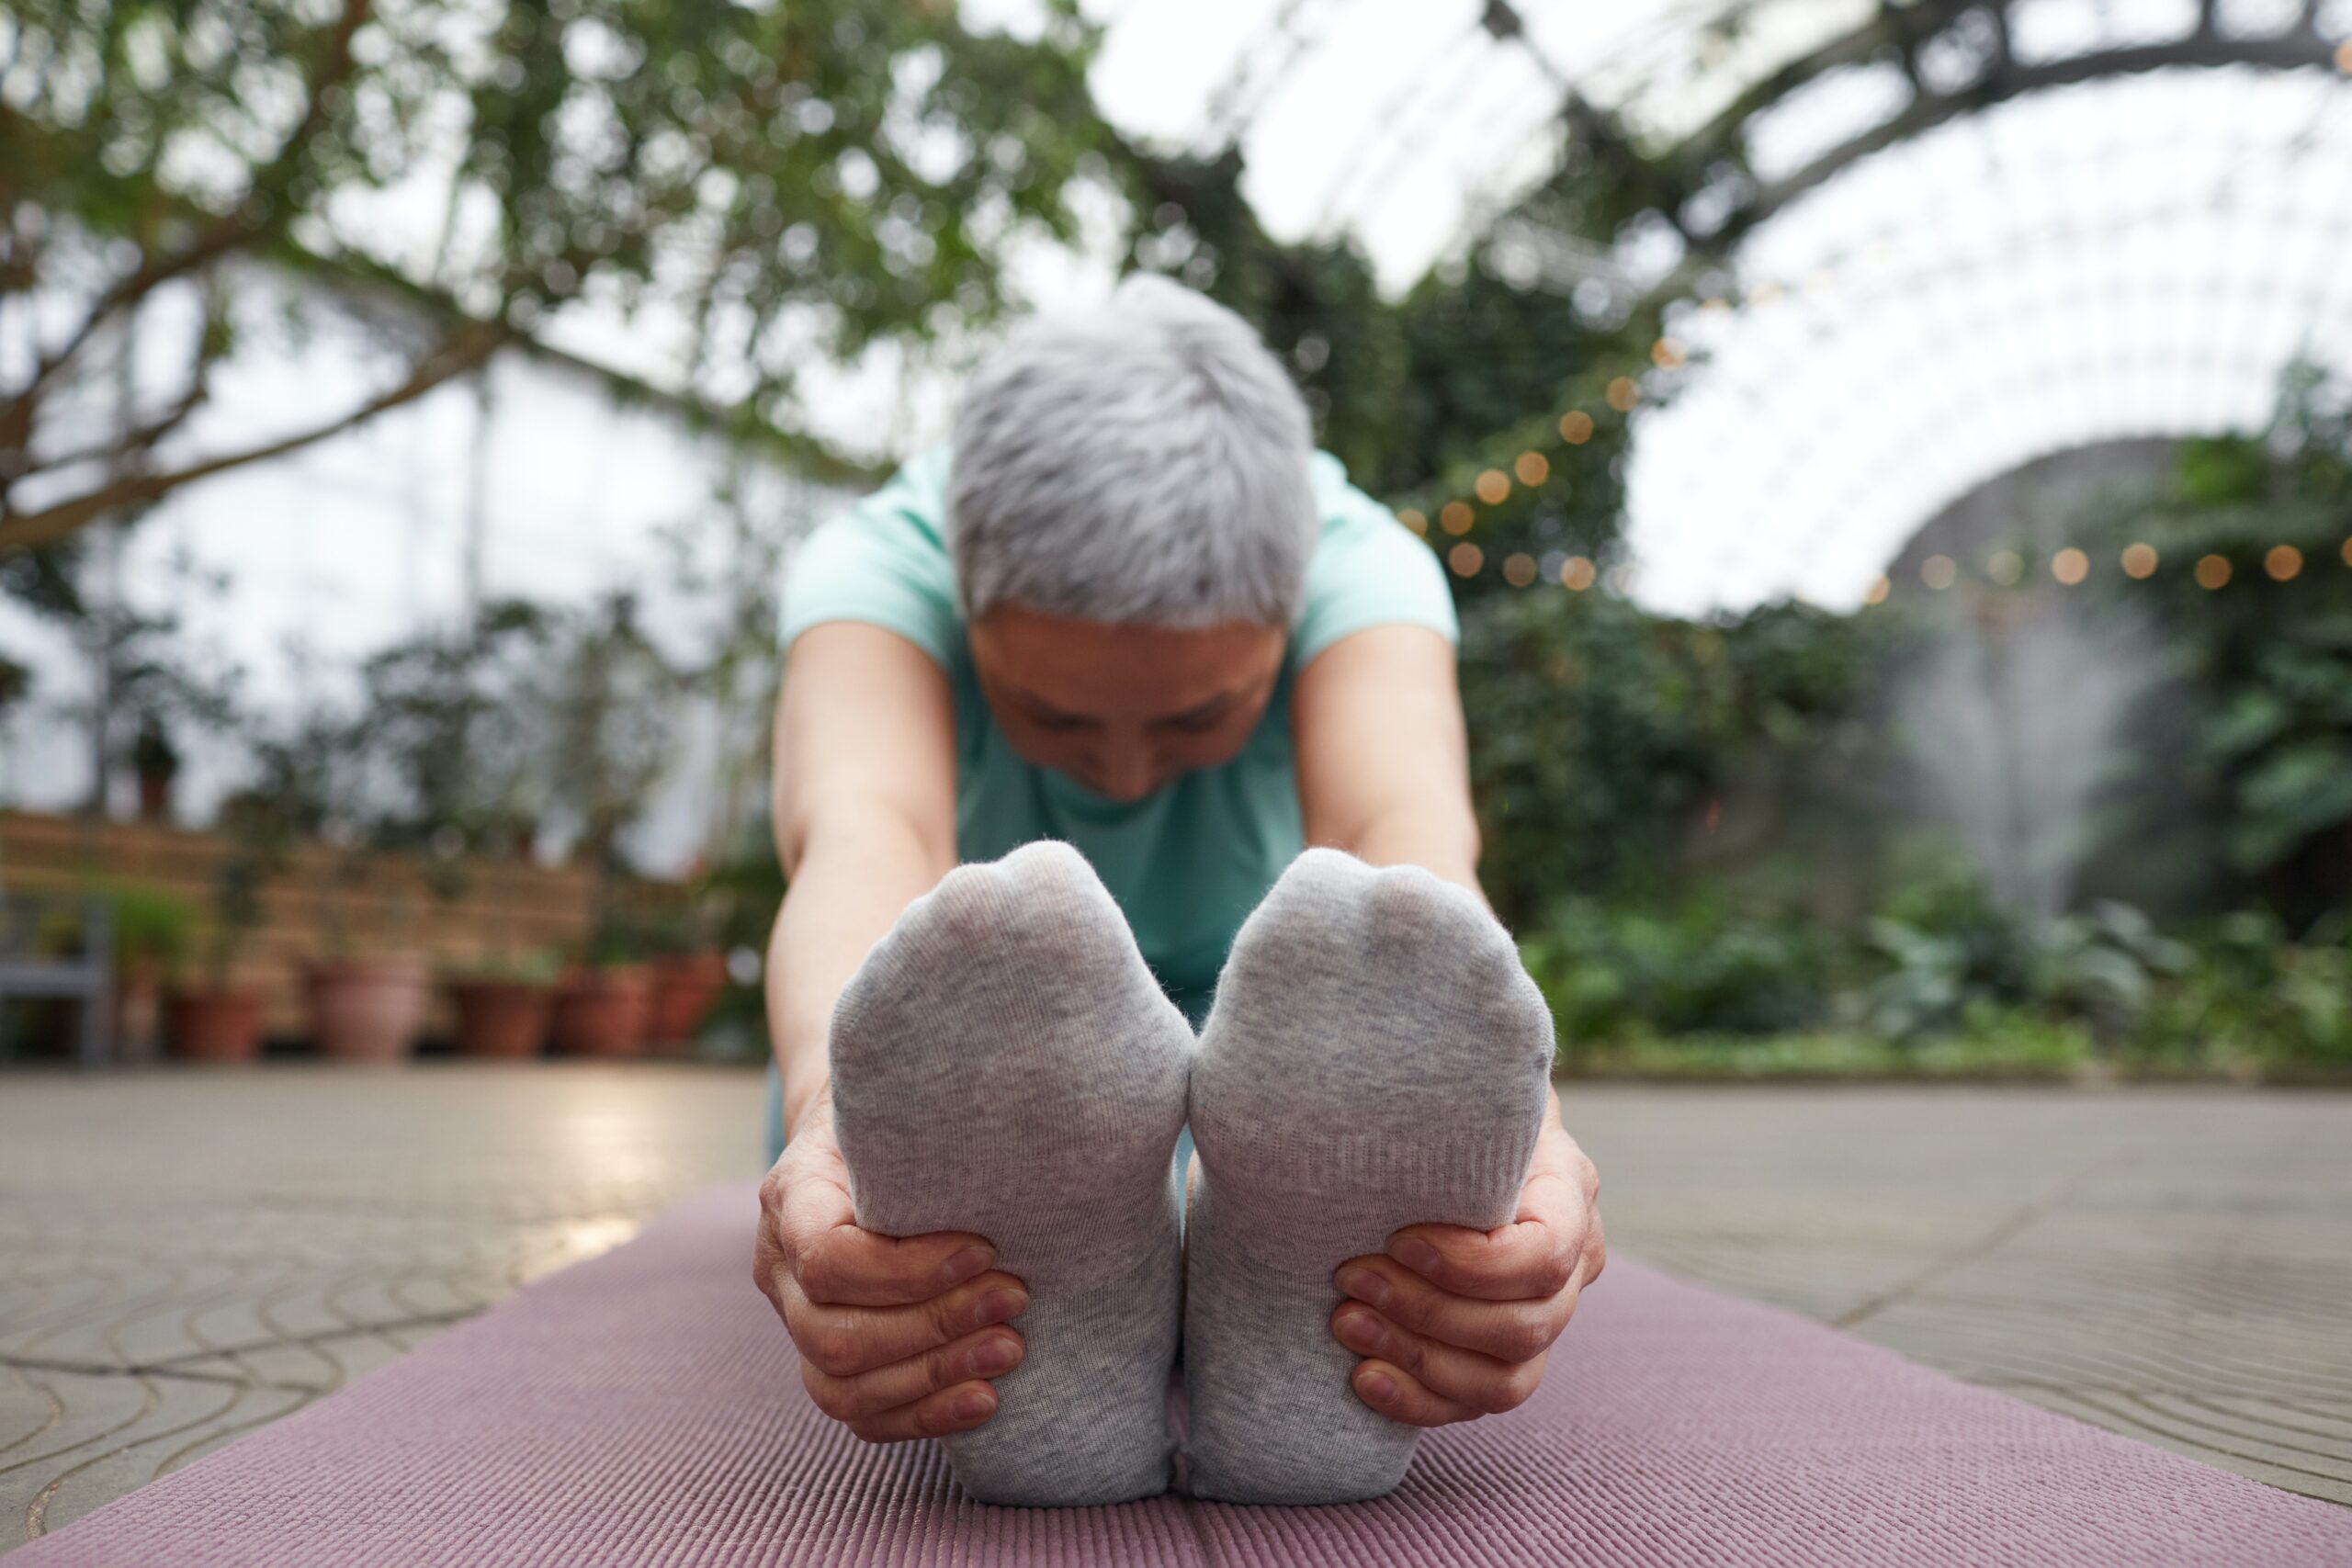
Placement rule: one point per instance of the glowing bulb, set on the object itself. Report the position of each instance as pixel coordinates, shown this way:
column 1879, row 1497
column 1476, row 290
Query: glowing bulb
column 2006, row 568
column 1415, row 521
column 1667, row 353
column 1575, row 574
column 2347, row 550
column 1493, row 487
column 1454, row 517
column 1624, row 394
column 2282, row 562
column 1532, row 469
column 2139, row 562
column 1466, row 558
column 1877, row 596
column 2212, row 571
column 1575, row 429
column 2070, row 566
column 2344, row 57
column 1518, row 570
column 1938, row 572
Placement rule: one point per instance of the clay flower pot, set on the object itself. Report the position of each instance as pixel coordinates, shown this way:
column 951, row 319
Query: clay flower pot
column 502, row 1017
column 604, row 1012
column 368, row 1010
column 684, row 989
column 212, row 1026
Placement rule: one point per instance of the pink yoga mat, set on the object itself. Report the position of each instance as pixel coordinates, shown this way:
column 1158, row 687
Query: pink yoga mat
column 645, row 1408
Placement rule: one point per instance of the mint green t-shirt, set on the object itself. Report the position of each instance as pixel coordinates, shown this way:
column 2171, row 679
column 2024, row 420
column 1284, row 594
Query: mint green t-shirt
column 1189, row 863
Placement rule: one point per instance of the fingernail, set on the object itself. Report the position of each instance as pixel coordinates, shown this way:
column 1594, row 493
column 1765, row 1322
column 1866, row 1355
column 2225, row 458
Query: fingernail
column 1364, row 1286
column 1360, row 1331
column 1378, row 1387
column 973, row 1404
column 998, row 1306
column 1414, row 1254
column 994, row 1355
column 964, row 1264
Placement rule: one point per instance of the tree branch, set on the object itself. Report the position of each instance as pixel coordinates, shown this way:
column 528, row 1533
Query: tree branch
column 465, row 349
column 221, row 236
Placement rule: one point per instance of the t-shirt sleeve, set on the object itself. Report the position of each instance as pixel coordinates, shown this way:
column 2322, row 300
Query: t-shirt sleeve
column 884, row 562
column 1367, row 570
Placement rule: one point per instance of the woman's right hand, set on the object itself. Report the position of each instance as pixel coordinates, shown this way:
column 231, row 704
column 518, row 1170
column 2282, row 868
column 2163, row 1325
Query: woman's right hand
column 899, row 1336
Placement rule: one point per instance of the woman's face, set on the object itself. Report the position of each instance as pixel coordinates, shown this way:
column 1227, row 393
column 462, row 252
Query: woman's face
column 1123, row 710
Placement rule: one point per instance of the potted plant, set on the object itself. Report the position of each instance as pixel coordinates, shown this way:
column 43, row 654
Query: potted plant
column 157, row 762
column 370, row 1006
column 152, row 932
column 504, row 1009
column 603, row 1005
column 212, row 1020
column 689, row 970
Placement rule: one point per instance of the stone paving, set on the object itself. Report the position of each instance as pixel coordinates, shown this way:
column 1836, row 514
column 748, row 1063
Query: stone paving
column 185, row 1256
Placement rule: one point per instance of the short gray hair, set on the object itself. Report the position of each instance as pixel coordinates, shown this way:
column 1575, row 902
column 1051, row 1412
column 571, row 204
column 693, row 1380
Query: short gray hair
column 1144, row 462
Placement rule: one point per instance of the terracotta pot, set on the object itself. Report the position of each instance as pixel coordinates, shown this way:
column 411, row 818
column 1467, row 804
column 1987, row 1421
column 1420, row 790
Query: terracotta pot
column 154, row 796
column 213, row 1026
column 604, row 1012
column 684, row 989
column 139, row 1010
column 502, row 1017
column 368, row 1010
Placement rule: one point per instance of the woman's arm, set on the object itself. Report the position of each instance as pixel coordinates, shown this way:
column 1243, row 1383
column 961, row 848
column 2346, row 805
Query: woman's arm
column 1462, row 1319
column 865, row 824
column 864, row 803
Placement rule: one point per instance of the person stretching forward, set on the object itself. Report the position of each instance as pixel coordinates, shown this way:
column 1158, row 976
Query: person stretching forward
column 1130, row 609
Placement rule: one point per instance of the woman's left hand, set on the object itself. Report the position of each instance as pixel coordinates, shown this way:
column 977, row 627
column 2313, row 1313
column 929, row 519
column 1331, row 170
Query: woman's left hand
column 1456, row 1324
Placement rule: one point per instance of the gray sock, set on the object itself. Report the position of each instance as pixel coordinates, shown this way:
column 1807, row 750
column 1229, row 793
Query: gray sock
column 1004, row 1063
column 1375, row 1057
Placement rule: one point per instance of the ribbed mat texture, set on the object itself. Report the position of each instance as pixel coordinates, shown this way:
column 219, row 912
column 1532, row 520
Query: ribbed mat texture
column 645, row 1408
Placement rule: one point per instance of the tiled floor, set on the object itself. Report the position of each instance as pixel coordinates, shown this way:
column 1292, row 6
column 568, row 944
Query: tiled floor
column 185, row 1256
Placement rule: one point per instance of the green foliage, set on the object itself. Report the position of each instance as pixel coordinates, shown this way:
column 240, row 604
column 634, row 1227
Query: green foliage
column 151, row 927
column 1697, row 967
column 2251, row 995
column 2267, row 663
column 1602, row 735
column 793, row 181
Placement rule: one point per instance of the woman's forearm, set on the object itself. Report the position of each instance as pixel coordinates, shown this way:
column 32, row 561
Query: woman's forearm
column 854, row 878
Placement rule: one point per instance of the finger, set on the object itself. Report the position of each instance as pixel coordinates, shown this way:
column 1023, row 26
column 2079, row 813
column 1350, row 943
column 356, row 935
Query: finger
column 1464, row 1378
column 990, row 1353
column 1596, row 1250
column 845, row 1265
column 846, row 1341
column 1509, row 1331
column 957, row 1409
column 1393, row 1391
column 1524, row 1260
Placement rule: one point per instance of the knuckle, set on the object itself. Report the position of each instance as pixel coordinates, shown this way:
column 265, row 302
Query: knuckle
column 1554, row 1274
column 834, row 1348
column 1522, row 1339
column 819, row 1277
column 829, row 1394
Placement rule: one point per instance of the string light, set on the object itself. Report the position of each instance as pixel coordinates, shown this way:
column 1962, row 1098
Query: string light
column 1575, row 429
column 1466, row 558
column 2139, row 562
column 2070, row 566
column 1415, row 521
column 2282, row 562
column 1455, row 517
column 2006, row 568
column 1877, row 596
column 1575, row 574
column 2344, row 57
column 1667, row 354
column 1624, row 394
column 1532, row 469
column 1938, row 572
column 1493, row 487
column 2347, row 549
column 2212, row 571
column 1518, row 570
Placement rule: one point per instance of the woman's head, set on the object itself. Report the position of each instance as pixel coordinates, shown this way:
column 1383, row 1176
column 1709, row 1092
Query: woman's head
column 1130, row 520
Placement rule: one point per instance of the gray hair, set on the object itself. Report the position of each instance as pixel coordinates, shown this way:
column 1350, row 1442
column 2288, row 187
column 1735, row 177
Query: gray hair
column 1144, row 462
